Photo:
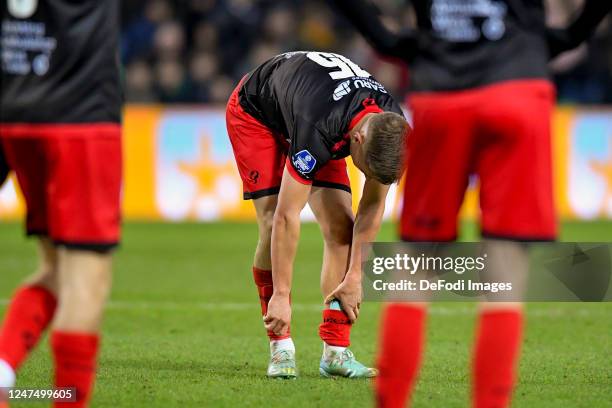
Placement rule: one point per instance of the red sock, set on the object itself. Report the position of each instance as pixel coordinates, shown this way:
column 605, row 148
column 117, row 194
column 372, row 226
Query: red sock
column 263, row 280
column 75, row 357
column 496, row 354
column 400, row 352
column 28, row 315
column 336, row 328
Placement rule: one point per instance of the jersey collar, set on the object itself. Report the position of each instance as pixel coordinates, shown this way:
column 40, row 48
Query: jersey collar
column 369, row 106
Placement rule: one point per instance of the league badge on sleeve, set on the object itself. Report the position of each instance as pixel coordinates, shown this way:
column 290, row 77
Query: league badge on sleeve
column 304, row 162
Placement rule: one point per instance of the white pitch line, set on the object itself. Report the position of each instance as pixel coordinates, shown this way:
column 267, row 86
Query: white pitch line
column 436, row 310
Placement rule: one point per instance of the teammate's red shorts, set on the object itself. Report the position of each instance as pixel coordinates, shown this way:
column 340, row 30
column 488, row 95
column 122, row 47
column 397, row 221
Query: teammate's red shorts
column 70, row 176
column 261, row 155
column 501, row 133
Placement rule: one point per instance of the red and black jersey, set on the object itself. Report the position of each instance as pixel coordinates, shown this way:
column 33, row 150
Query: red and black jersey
column 463, row 44
column 312, row 99
column 59, row 61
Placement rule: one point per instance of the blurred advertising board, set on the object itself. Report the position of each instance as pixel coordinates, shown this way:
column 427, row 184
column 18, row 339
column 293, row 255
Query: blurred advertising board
column 179, row 166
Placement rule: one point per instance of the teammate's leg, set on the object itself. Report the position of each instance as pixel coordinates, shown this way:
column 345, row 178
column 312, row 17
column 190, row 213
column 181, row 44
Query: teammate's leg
column 438, row 166
column 84, row 185
column 31, row 310
column 402, row 338
column 514, row 166
column 84, row 285
column 499, row 327
column 33, row 304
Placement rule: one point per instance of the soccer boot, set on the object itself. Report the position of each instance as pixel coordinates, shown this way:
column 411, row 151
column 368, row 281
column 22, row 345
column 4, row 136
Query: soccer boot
column 344, row 364
column 282, row 365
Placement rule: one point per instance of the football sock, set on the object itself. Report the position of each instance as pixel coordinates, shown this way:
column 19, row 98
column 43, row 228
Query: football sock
column 28, row 315
column 331, row 351
column 336, row 327
column 283, row 344
column 75, row 357
column 263, row 280
column 401, row 343
column 7, row 375
column 496, row 353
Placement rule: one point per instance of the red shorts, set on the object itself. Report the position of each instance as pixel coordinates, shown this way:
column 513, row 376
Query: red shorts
column 70, row 176
column 261, row 156
column 501, row 133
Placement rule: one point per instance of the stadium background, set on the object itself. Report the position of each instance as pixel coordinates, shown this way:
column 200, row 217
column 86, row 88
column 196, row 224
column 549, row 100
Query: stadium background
column 183, row 325
column 183, row 58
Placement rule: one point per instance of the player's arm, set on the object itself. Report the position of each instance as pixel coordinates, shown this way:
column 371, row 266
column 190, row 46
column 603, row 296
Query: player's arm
column 367, row 224
column 580, row 30
column 292, row 198
column 365, row 17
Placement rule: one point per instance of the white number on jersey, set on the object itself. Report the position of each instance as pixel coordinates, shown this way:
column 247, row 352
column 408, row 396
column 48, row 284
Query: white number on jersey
column 22, row 8
column 346, row 67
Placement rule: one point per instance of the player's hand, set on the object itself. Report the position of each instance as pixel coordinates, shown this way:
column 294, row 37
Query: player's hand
column 349, row 295
column 278, row 318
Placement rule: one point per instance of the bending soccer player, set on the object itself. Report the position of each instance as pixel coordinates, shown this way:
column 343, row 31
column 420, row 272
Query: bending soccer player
column 291, row 122
column 465, row 55
column 61, row 135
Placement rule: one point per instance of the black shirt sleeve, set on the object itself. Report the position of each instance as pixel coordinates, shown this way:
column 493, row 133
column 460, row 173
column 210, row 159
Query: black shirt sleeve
column 365, row 16
column 581, row 29
column 308, row 151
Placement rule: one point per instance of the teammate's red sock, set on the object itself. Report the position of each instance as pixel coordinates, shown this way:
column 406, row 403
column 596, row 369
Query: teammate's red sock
column 28, row 315
column 263, row 280
column 336, row 328
column 400, row 352
column 496, row 354
column 75, row 356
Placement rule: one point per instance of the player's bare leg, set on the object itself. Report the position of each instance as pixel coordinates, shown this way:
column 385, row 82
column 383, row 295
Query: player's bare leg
column 333, row 211
column 85, row 279
column 500, row 327
column 282, row 350
column 29, row 314
column 334, row 214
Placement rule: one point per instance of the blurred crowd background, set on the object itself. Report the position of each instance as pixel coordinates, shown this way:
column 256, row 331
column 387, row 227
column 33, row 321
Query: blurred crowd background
column 195, row 51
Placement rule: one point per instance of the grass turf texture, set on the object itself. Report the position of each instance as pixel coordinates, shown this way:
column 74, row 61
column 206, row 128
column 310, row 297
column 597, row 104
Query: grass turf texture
column 184, row 330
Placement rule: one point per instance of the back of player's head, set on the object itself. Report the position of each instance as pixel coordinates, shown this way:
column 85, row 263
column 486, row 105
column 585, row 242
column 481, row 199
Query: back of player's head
column 384, row 147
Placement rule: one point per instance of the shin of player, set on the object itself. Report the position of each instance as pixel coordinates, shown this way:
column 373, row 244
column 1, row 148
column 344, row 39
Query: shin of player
column 262, row 268
column 334, row 214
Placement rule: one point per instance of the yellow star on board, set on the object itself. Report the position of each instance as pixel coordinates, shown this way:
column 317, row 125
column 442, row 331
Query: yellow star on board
column 205, row 171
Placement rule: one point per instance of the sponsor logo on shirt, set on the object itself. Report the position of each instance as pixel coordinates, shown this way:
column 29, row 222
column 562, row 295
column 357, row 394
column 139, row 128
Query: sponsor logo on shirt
column 370, row 84
column 342, row 90
column 304, row 162
column 468, row 21
column 345, row 88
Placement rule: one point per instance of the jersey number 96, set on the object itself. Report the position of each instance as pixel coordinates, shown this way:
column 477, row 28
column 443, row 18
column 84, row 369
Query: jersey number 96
column 346, row 67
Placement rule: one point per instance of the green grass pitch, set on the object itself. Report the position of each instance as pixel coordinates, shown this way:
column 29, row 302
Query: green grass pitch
column 183, row 329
